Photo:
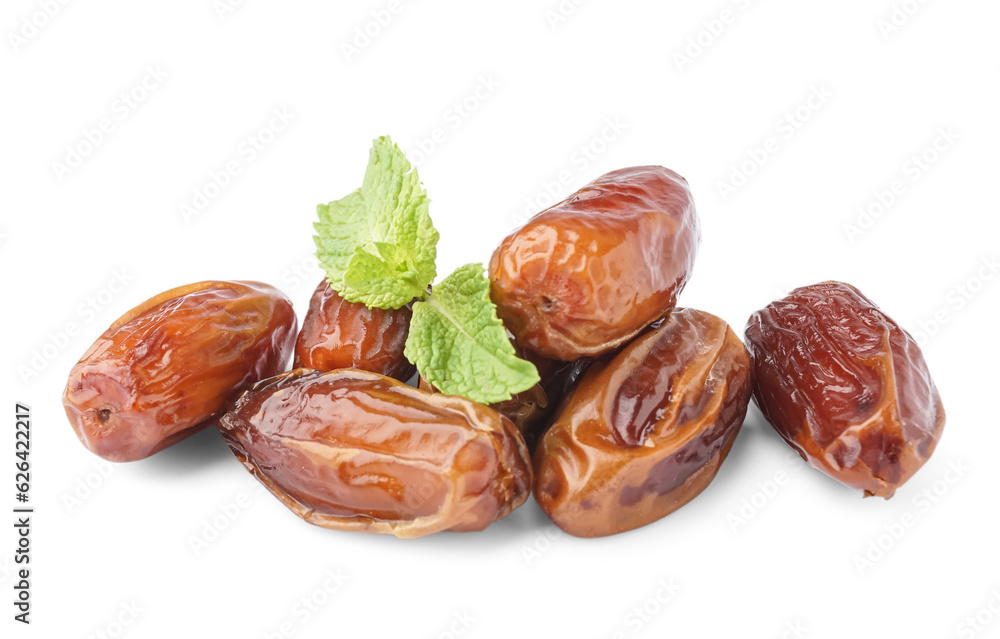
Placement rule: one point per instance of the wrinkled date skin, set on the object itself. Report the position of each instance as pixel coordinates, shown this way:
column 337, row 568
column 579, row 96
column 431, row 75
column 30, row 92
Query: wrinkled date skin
column 165, row 368
column 588, row 274
column 845, row 386
column 340, row 334
column 646, row 430
column 354, row 450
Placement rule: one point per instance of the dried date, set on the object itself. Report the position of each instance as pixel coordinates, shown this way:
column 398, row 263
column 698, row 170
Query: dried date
column 588, row 274
column 845, row 386
column 354, row 450
column 340, row 334
column 645, row 430
column 165, row 368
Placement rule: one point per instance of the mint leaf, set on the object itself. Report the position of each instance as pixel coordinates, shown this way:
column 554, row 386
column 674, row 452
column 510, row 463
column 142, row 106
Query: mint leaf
column 378, row 245
column 460, row 345
column 373, row 279
column 339, row 230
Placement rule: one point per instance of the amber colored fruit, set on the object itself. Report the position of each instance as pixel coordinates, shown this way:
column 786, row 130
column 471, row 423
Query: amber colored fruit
column 588, row 274
column 845, row 386
column 165, row 368
column 340, row 334
column 359, row 451
column 646, row 429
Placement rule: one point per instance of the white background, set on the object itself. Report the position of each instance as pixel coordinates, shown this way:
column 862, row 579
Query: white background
column 739, row 562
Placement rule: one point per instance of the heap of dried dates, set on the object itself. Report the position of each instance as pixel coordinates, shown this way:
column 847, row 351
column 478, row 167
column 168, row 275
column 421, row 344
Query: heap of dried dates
column 636, row 404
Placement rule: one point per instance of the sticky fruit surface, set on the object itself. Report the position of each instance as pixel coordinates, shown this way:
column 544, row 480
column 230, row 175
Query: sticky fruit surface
column 588, row 274
column 645, row 430
column 163, row 370
column 845, row 386
column 354, row 450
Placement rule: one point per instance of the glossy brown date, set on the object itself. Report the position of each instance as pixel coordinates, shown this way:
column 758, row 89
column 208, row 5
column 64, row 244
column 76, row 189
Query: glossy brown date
column 845, row 386
column 340, row 334
column 588, row 274
column 645, row 430
column 354, row 450
column 165, row 368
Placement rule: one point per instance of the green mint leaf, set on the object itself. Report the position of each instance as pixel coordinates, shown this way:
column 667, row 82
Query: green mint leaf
column 460, row 345
column 378, row 284
column 378, row 245
column 341, row 228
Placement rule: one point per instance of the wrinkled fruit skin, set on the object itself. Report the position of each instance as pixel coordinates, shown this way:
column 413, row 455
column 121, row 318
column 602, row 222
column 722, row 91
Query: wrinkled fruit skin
column 588, row 274
column 845, row 386
column 167, row 367
column 340, row 334
column 646, row 430
column 354, row 450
